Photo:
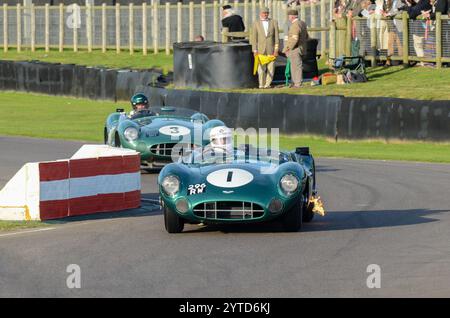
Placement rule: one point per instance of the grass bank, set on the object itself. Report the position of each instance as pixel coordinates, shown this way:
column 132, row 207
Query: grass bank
column 423, row 83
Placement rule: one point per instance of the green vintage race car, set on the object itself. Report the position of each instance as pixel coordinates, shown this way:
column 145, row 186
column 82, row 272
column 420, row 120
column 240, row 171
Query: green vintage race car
column 241, row 189
column 154, row 132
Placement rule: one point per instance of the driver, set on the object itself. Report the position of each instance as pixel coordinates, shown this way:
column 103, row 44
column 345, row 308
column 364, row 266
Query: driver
column 221, row 141
column 140, row 103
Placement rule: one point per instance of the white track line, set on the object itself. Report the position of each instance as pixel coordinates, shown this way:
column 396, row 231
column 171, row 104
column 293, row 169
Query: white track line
column 25, row 232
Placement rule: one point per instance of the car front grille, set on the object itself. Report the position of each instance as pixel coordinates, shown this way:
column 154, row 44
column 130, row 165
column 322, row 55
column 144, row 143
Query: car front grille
column 166, row 149
column 229, row 210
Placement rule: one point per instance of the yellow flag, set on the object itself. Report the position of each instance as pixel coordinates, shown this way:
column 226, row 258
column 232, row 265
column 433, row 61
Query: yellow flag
column 263, row 60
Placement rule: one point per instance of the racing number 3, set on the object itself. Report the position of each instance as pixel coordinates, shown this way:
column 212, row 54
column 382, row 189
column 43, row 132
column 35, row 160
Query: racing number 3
column 174, row 130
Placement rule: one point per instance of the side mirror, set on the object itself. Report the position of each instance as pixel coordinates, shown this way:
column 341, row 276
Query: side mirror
column 120, row 110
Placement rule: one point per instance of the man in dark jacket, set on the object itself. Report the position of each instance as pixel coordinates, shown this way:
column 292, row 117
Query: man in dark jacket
column 416, row 10
column 232, row 21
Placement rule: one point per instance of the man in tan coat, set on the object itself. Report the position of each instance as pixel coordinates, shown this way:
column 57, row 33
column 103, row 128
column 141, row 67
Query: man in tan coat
column 295, row 46
column 265, row 41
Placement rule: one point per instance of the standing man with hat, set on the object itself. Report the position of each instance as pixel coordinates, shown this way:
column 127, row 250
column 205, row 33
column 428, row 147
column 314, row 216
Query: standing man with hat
column 265, row 40
column 232, row 21
column 295, row 46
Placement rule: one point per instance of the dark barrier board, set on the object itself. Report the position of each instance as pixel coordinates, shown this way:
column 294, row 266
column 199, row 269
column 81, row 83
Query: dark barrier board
column 213, row 65
column 332, row 116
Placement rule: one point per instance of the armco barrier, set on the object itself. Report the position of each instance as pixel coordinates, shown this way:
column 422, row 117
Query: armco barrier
column 333, row 116
column 96, row 179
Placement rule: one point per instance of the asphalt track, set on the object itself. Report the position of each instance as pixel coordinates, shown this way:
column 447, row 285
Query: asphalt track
column 393, row 214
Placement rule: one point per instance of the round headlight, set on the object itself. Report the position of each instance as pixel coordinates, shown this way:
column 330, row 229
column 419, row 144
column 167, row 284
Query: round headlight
column 171, row 185
column 131, row 133
column 289, row 183
column 275, row 206
column 182, row 206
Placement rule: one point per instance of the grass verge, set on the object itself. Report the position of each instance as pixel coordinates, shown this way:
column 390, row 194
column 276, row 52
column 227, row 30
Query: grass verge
column 109, row 59
column 7, row 226
column 423, row 83
column 45, row 116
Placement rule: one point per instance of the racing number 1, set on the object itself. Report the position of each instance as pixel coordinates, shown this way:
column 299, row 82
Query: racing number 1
column 229, row 176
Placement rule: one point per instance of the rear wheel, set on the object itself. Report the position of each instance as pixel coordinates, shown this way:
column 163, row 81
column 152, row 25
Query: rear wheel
column 173, row 223
column 293, row 219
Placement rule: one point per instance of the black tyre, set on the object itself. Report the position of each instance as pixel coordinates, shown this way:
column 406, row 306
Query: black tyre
column 117, row 141
column 293, row 219
column 105, row 136
column 173, row 223
column 308, row 213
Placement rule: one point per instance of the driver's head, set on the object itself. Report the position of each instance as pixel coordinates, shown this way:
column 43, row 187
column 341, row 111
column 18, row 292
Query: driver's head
column 221, row 139
column 139, row 102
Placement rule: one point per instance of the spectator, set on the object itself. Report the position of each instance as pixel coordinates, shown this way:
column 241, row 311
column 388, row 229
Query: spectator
column 265, row 37
column 295, row 46
column 394, row 28
column 436, row 6
column 232, row 21
column 415, row 10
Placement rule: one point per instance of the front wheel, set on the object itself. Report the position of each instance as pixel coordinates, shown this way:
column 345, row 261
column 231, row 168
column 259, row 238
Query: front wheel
column 308, row 213
column 173, row 223
column 293, row 219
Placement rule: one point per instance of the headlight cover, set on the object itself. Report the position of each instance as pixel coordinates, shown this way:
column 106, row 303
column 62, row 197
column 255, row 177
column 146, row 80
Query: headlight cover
column 131, row 133
column 289, row 183
column 171, row 185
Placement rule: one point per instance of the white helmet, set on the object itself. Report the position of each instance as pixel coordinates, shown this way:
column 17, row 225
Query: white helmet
column 221, row 139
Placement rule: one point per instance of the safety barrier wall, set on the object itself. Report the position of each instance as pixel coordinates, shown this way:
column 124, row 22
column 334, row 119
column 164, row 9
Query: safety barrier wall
column 332, row 116
column 84, row 184
column 72, row 80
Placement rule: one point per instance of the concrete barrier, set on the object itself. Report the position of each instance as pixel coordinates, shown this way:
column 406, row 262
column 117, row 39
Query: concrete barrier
column 96, row 179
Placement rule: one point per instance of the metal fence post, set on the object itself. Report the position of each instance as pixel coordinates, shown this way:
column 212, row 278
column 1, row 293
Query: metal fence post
column 246, row 22
column 19, row 27
column 168, row 28
column 155, row 28
column 313, row 18
column 144, row 29
column 253, row 10
column 438, row 40
column 47, row 27
column 405, row 38
column 5, row 27
column 33, row 28
column 179, row 21
column 117, row 27
column 191, row 21
column 323, row 24
column 203, row 19
column 332, row 51
column 61, row 28
column 131, row 28
column 89, row 26
column 215, row 21
column 373, row 40
column 104, row 27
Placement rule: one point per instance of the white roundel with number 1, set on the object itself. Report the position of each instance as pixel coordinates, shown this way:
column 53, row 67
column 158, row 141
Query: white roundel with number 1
column 174, row 130
column 229, row 178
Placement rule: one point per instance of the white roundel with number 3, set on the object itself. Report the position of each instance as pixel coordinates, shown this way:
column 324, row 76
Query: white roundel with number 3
column 174, row 130
column 229, row 178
